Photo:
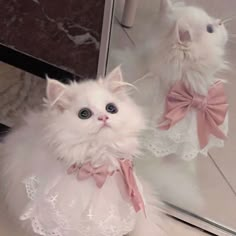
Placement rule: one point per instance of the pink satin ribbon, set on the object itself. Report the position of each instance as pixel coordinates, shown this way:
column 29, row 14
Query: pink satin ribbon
column 101, row 173
column 133, row 191
column 86, row 171
column 211, row 110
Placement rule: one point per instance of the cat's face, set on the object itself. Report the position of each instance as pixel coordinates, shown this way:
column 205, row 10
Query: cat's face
column 192, row 30
column 94, row 111
column 205, row 35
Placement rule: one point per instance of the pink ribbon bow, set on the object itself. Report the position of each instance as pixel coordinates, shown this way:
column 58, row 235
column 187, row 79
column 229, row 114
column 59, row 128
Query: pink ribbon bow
column 86, row 171
column 211, row 110
column 133, row 192
column 101, row 173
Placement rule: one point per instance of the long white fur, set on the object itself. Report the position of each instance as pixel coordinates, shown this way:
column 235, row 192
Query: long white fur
column 58, row 133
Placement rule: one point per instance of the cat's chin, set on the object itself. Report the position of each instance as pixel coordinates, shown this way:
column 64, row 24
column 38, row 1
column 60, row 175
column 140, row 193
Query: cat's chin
column 106, row 133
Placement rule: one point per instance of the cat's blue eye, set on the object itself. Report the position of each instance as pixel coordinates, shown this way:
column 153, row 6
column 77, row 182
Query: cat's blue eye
column 111, row 108
column 85, row 113
column 210, row 29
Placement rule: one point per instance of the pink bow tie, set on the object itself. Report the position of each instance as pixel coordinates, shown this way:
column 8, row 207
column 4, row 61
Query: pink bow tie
column 211, row 110
column 101, row 173
column 134, row 194
column 86, row 171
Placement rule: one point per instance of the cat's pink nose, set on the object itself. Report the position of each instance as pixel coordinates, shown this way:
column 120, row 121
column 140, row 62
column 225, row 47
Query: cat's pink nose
column 103, row 118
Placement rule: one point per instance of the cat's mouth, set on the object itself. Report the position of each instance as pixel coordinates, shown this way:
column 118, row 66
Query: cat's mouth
column 104, row 126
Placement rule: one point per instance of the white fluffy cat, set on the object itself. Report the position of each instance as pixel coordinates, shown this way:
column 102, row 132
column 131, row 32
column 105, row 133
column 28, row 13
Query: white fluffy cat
column 186, row 46
column 44, row 178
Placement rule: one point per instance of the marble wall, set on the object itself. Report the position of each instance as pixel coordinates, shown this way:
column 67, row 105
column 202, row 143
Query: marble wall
column 65, row 33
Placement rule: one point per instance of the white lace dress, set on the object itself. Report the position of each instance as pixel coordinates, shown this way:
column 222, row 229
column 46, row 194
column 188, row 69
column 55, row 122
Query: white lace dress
column 60, row 205
column 182, row 138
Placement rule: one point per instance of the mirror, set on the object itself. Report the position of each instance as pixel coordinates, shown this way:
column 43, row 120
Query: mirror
column 171, row 42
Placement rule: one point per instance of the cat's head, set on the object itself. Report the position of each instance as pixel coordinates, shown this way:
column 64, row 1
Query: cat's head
column 92, row 115
column 194, row 41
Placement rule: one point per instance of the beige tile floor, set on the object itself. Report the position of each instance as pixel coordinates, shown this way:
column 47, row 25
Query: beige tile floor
column 205, row 186
column 19, row 91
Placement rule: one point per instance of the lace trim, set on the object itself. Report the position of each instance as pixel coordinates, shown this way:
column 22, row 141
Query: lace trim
column 177, row 147
column 56, row 223
column 181, row 140
column 31, row 185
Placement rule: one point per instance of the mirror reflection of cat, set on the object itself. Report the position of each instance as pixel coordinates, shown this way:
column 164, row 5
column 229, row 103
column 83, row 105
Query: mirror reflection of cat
column 183, row 94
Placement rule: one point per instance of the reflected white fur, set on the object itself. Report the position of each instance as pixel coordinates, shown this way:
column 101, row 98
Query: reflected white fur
column 198, row 63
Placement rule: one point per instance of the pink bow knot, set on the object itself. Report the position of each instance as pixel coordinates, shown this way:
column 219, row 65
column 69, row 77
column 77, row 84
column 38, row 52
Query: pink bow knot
column 211, row 110
column 199, row 102
column 99, row 174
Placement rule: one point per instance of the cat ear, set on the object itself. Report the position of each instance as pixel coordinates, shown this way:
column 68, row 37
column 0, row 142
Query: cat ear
column 165, row 6
column 114, row 80
column 115, row 75
column 54, row 91
column 184, row 33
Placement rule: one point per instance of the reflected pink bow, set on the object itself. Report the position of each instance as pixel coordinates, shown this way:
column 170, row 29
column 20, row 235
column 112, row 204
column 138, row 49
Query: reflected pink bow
column 86, row 171
column 211, row 110
column 133, row 192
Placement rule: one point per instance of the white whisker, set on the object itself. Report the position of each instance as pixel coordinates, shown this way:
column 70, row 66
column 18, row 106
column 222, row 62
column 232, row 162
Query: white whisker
column 227, row 19
column 138, row 80
column 143, row 77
